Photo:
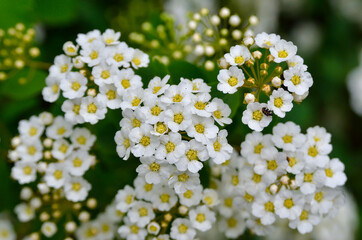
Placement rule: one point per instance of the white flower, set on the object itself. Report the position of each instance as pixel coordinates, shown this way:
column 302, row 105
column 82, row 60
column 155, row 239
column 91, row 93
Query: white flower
column 6, row 230
column 177, row 117
column 153, row 109
column 51, row 91
column 30, row 150
column 70, row 49
column 238, row 55
column 141, row 213
column 111, row 97
column 164, row 198
column 76, row 189
column 171, row 148
column 71, row 109
column 125, row 198
column 263, row 208
column 288, row 204
column 49, row 229
column 74, row 85
column 233, row 226
column 190, row 160
column 62, row 66
column 283, row 51
column 92, row 109
column 158, row 86
column 228, row 204
column 222, row 112
column 280, row 102
column 210, row 197
column 322, row 200
column 202, row 218
column 132, row 119
column 316, row 153
column 201, row 106
column 297, row 61
column 287, row 136
column 265, row 40
column 183, row 181
column 254, row 117
column 153, row 170
column 82, row 138
column 110, row 37
column 197, row 85
column 24, row 171
column 85, row 39
column 272, row 165
column 144, row 190
column 191, row 197
column 59, row 129
column 105, row 74
column 254, row 143
column 145, row 142
column 31, row 129
column 309, row 180
column 61, row 149
column 219, row 149
column 319, row 135
column 79, row 162
column 123, row 143
column 334, row 173
column 153, row 228
column 93, row 53
column 140, row 59
column 297, row 80
column 181, row 229
column 127, row 80
column 305, row 222
column 132, row 99
column 119, row 55
column 177, row 94
column 296, row 162
column 55, row 175
column 202, row 129
column 230, row 80
column 25, row 212
column 131, row 231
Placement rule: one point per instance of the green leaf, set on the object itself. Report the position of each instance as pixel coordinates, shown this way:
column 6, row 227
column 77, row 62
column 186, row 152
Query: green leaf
column 56, row 11
column 35, row 81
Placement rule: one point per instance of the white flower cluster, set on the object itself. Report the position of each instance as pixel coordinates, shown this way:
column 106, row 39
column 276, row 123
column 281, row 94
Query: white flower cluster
column 284, row 175
column 265, row 73
column 102, row 69
column 57, row 151
column 6, row 230
column 173, row 125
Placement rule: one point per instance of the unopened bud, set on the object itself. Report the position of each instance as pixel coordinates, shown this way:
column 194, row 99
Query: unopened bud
column 273, row 188
column 277, row 82
column 249, row 98
column 257, row 54
column 284, row 180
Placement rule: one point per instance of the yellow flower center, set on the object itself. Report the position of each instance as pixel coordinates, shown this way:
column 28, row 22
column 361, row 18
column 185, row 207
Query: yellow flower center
column 192, row 155
column 303, row 215
column 111, row 95
column 234, row 180
column 55, row 88
column 81, row 140
column 136, row 123
column 134, row 229
column 177, row 98
column 292, row 161
column 145, row 141
column 312, row 151
column 76, row 187
column 77, row 162
column 154, row 167
column 188, row 194
column 109, row 40
column 257, row 115
column 200, row 105
column 269, row 207
column 228, row 202
column 92, row 108
column 64, row 68
column 288, row 203
column 125, row 83
column 105, row 74
column 208, row 200
column 148, row 187
column 153, row 228
column 233, row 81
column 232, row 222
column 58, row 174
column 165, row 198
column 239, row 60
column 33, row 131
column 318, row 196
column 248, row 197
column 105, row 228
column 136, row 61
column 118, row 57
column 129, row 199
column 272, row 165
column 161, row 128
column 308, row 177
column 170, row 147
column 63, row 148
column 200, row 217
column 295, row 80
column 61, row 131
column 76, row 86
column 217, row 146
column 178, row 118
column 156, row 110
column 31, row 150
column 143, row 212
column 93, row 55
column 329, row 172
column 257, row 178
column 27, row 170
column 282, row 54
column 76, row 108
column 199, row 128
column 258, row 148
column 183, row 177
column 287, row 139
column 156, row 89
column 218, row 114
column 182, row 228
column 126, row 143
column 136, row 101
column 278, row 102
column 4, row 233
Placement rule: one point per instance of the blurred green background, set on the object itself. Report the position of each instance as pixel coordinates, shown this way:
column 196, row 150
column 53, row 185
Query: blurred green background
column 331, row 36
